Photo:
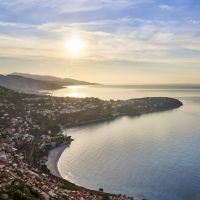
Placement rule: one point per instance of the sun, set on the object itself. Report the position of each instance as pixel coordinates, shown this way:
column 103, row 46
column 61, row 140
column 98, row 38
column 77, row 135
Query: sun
column 75, row 46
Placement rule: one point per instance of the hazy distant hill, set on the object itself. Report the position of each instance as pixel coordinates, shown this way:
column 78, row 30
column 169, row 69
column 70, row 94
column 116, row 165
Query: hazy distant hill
column 23, row 84
column 55, row 80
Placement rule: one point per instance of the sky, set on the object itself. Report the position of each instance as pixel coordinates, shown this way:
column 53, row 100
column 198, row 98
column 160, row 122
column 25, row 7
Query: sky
column 126, row 41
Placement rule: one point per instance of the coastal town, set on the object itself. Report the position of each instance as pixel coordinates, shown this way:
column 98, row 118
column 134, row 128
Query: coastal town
column 31, row 125
column 21, row 181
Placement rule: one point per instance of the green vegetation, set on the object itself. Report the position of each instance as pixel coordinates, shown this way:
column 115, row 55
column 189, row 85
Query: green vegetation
column 17, row 191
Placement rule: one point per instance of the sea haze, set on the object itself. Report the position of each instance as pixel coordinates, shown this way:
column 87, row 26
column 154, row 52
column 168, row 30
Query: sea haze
column 154, row 156
column 127, row 91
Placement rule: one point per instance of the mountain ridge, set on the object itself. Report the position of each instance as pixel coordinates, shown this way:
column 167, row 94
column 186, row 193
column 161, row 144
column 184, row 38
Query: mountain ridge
column 54, row 79
column 30, row 83
column 22, row 84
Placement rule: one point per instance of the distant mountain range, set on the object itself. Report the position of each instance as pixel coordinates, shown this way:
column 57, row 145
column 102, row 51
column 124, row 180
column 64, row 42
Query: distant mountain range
column 33, row 83
column 53, row 79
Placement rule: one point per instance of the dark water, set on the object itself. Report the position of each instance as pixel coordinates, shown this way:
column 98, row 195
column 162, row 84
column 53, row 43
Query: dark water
column 156, row 156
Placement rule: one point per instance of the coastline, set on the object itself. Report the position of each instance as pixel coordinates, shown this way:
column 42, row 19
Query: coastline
column 53, row 158
column 43, row 150
column 55, row 154
column 52, row 165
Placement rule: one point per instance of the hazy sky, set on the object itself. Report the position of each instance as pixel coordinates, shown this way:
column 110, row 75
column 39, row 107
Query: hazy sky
column 126, row 41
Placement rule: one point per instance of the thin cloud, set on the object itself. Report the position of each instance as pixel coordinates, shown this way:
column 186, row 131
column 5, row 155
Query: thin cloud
column 147, row 42
column 166, row 7
column 69, row 6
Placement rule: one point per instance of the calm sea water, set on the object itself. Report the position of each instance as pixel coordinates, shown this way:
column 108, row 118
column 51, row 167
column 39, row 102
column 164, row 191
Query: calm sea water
column 156, row 156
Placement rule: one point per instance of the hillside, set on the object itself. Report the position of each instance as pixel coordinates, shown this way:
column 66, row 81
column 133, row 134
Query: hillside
column 23, row 84
column 53, row 79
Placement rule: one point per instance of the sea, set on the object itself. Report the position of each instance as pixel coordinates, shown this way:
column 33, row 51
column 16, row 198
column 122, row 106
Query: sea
column 153, row 156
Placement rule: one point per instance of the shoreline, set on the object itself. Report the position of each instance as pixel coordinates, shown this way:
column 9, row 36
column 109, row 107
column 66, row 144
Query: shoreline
column 52, row 165
column 55, row 154
column 53, row 158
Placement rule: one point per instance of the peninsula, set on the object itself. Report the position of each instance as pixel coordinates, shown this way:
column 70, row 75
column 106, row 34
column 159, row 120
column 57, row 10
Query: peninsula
column 31, row 125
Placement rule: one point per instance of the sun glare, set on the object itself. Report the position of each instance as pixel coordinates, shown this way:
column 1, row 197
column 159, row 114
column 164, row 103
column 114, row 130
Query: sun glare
column 75, row 46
